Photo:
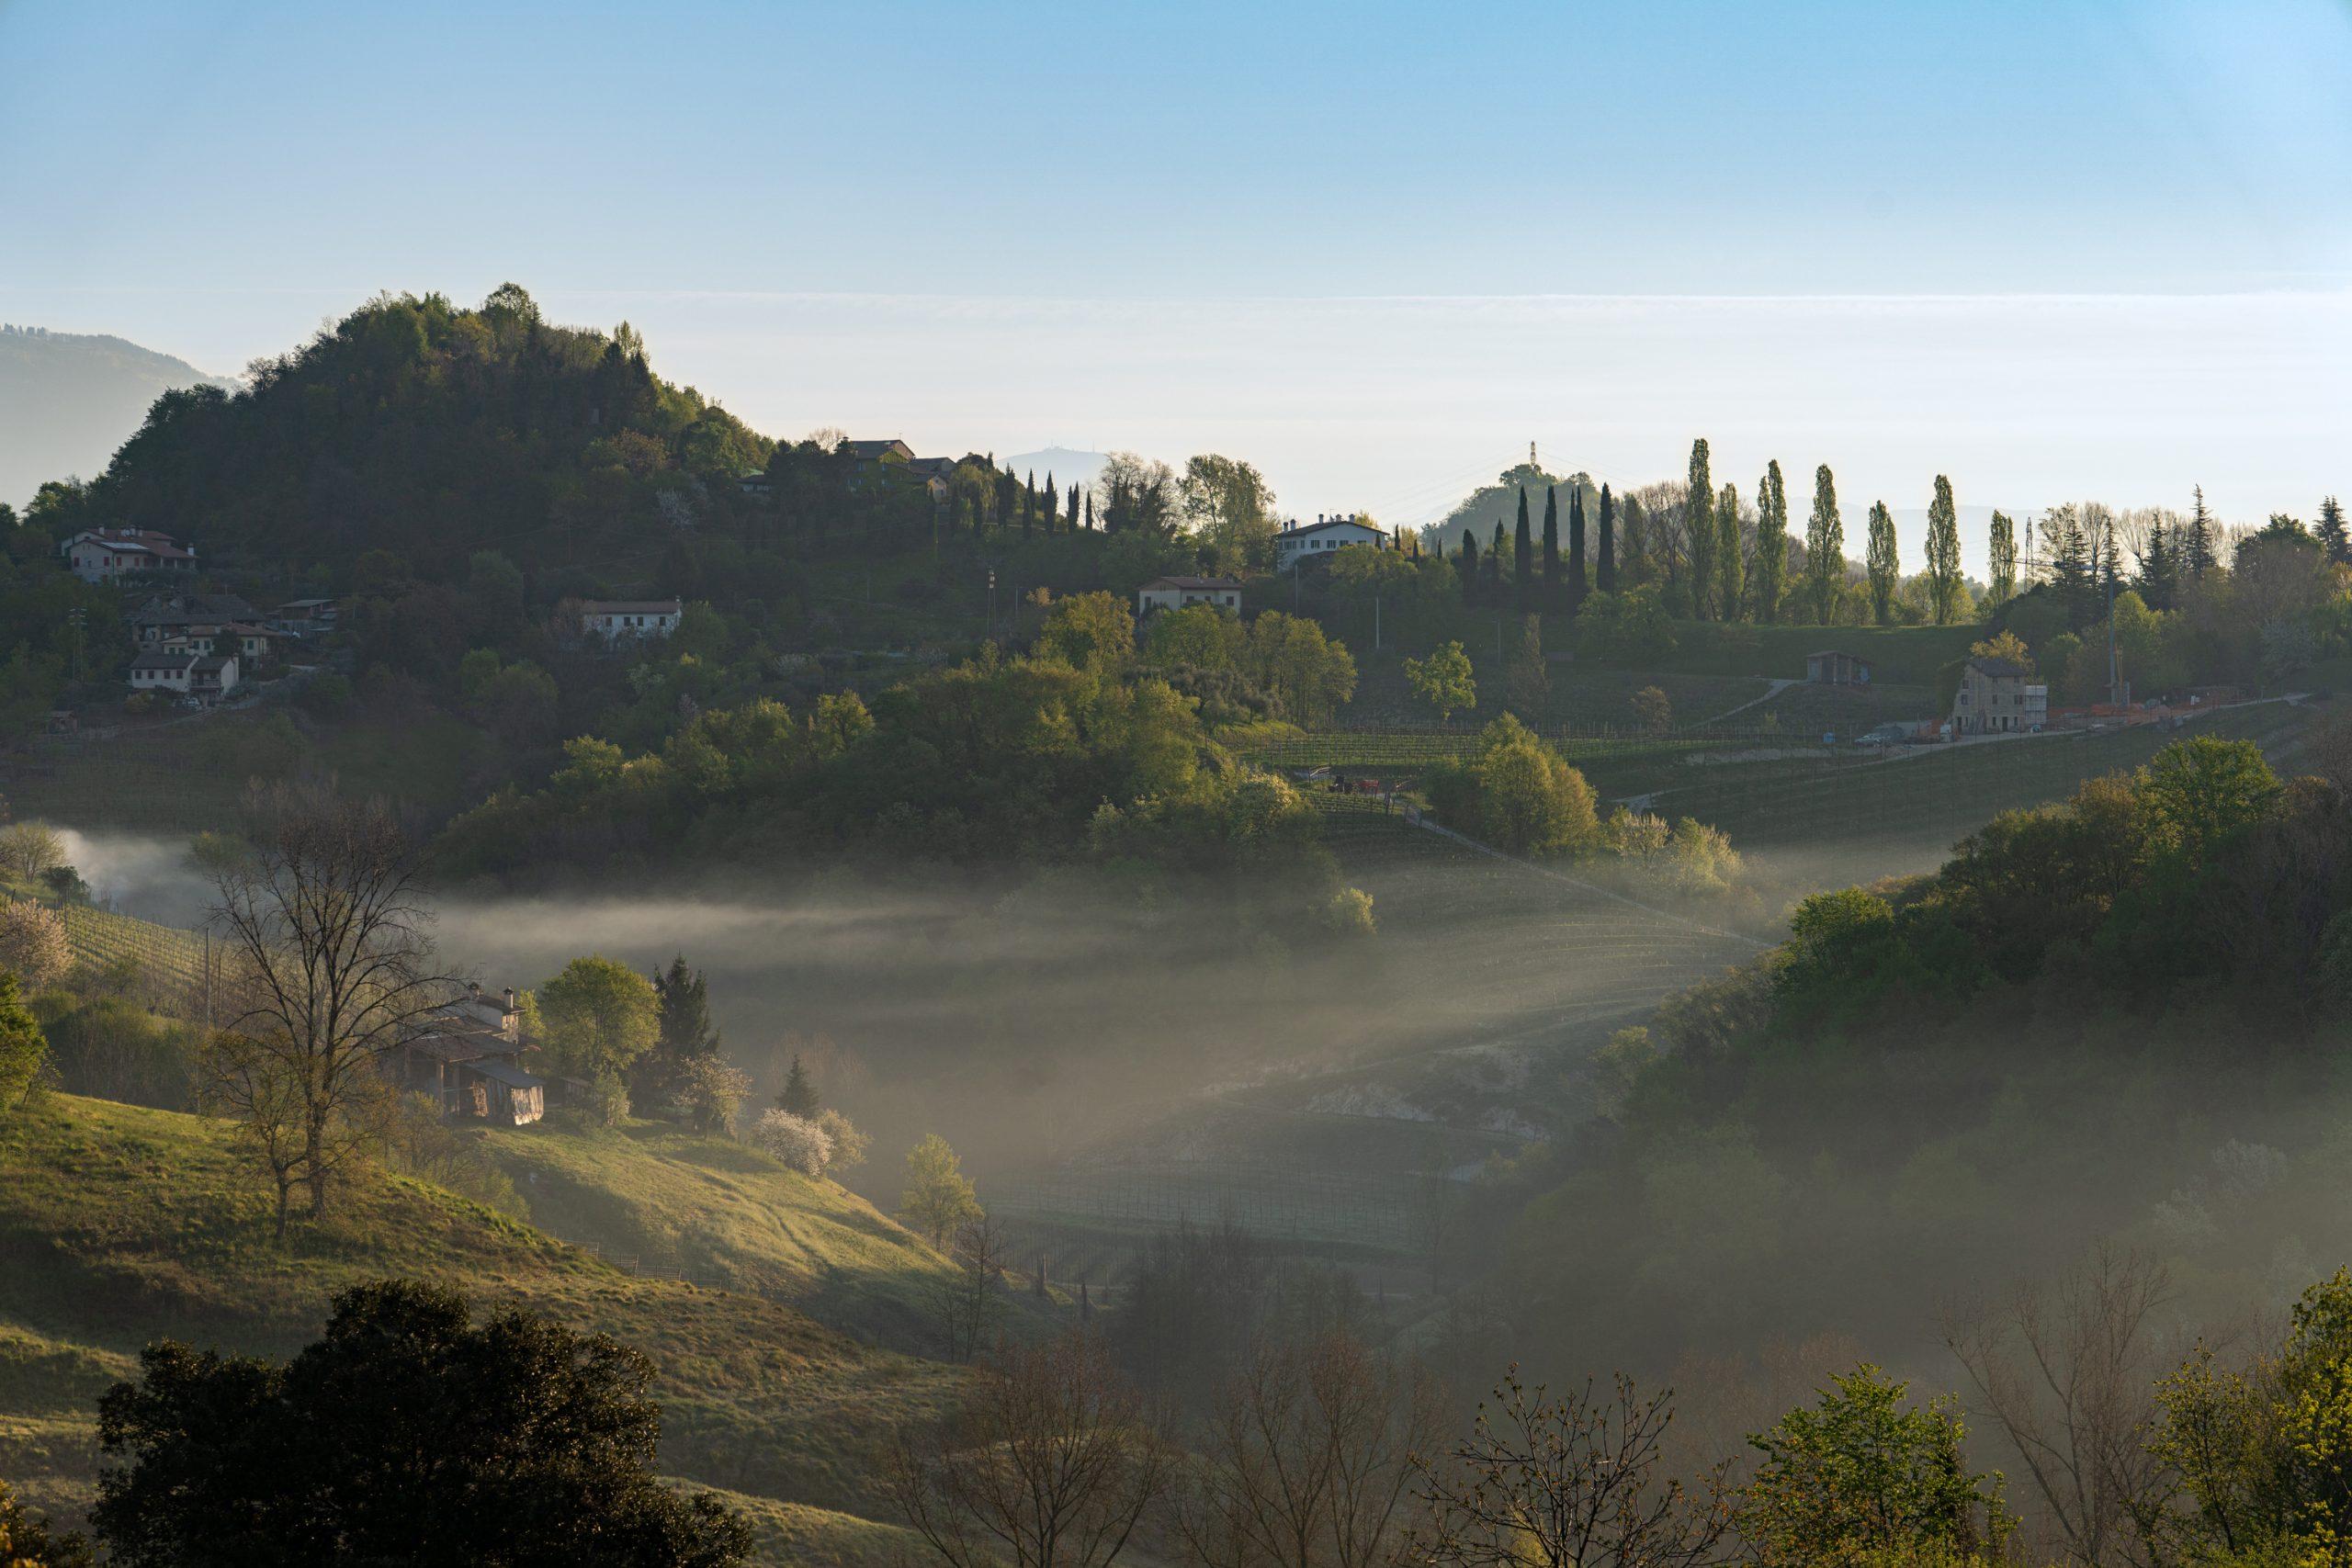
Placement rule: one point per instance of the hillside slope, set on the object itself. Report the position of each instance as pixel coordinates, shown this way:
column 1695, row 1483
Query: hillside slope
column 726, row 1214
column 119, row 1226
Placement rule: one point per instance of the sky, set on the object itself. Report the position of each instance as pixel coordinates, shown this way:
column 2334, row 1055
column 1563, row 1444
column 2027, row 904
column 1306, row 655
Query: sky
column 2057, row 249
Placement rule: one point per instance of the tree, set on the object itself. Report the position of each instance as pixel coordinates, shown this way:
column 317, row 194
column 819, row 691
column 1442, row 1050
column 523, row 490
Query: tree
column 684, row 1034
column 1563, row 1484
column 30, row 850
column 2065, row 1375
column 1050, row 1461
column 1527, row 682
column 938, row 1196
column 600, row 1016
column 1943, row 553
column 967, row 1300
column 1530, row 800
column 33, row 944
column 1700, row 539
column 1578, row 583
column 1443, row 681
column 23, row 1048
column 1824, row 548
column 2200, row 553
column 802, row 1145
column 2330, row 531
column 1653, row 713
column 1555, row 593
column 407, row 1434
column 1308, row 1460
column 1141, row 495
column 1885, row 569
column 713, row 1090
column 2073, row 574
column 798, row 1094
column 1605, row 574
column 1310, row 672
column 1730, row 566
column 2001, row 554
column 329, row 972
column 2198, row 791
column 1090, row 631
column 26, row 1542
column 1771, row 544
column 1522, row 558
column 1858, row 1473
column 1229, row 508
column 1468, row 565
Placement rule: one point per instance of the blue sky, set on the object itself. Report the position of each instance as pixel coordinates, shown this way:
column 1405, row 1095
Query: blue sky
column 1299, row 233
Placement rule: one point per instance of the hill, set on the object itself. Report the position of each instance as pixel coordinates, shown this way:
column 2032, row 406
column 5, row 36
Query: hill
column 68, row 400
column 119, row 1226
column 430, row 430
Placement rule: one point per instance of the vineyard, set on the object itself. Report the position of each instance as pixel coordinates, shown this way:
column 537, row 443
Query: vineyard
column 166, row 968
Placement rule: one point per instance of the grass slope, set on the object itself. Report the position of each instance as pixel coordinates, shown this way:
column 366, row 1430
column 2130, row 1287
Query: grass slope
column 119, row 1226
column 719, row 1210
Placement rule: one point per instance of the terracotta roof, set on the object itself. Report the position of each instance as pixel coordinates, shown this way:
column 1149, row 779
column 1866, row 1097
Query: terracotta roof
column 1296, row 530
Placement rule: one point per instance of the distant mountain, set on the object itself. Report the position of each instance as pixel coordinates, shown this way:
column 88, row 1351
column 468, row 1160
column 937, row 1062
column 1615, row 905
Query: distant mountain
column 1062, row 462
column 67, row 401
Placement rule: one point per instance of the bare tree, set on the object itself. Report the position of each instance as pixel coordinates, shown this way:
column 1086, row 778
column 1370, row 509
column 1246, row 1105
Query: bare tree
column 1051, row 1462
column 1542, row 1484
column 2068, row 1375
column 1307, row 1462
column 966, row 1301
column 329, row 970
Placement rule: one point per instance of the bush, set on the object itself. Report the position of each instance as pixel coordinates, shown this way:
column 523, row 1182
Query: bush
column 1348, row 912
column 22, row 1048
column 33, row 945
column 849, row 1143
column 801, row 1144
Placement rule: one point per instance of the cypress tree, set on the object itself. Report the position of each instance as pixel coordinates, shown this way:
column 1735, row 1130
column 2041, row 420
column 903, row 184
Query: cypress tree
column 1467, row 563
column 1071, row 525
column 1729, row 566
column 1699, row 530
column 1495, row 586
column 1576, row 547
column 1824, row 548
column 1606, row 578
column 1029, row 502
column 1089, row 509
column 1522, row 557
column 1943, row 553
column 1882, row 562
column 2201, row 538
column 1555, row 595
column 1053, row 504
column 1771, row 573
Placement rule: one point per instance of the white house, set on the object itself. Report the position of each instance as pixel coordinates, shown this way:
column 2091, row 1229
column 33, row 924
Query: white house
column 184, row 672
column 1175, row 593
column 613, row 619
column 101, row 554
column 1309, row 541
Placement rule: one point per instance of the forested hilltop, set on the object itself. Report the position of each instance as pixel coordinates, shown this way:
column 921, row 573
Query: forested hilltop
column 416, row 426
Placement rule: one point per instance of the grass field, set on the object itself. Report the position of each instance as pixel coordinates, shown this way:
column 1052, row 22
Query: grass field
column 119, row 1226
column 725, row 1212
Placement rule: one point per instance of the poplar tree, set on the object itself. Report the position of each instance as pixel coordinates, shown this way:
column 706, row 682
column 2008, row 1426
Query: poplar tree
column 1943, row 553
column 2001, row 557
column 1729, row 564
column 1883, row 563
column 1605, row 578
column 1771, row 544
column 1824, row 548
column 1522, row 557
column 1554, row 596
column 1699, row 530
column 1577, row 582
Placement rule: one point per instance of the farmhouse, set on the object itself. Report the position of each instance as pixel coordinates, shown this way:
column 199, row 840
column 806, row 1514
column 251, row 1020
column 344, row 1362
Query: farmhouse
column 184, row 672
column 304, row 617
column 469, row 1058
column 101, row 554
column 1997, row 696
column 1832, row 669
column 1299, row 542
column 184, row 619
column 1175, row 593
column 614, row 619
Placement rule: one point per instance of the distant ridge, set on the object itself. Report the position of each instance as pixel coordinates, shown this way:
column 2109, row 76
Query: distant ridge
column 1063, row 463
column 68, row 400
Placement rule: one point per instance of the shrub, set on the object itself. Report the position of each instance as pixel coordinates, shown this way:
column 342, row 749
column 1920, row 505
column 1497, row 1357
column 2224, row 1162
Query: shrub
column 22, row 1048
column 849, row 1143
column 1348, row 911
column 33, row 945
column 801, row 1144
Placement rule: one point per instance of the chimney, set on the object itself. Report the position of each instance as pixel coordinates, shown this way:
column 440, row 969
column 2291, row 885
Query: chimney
column 510, row 999
column 473, row 987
